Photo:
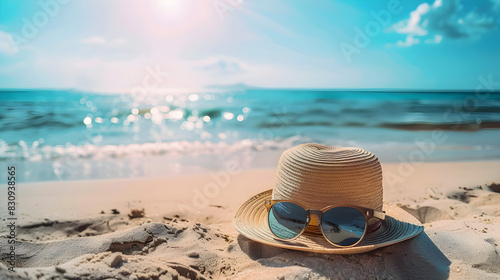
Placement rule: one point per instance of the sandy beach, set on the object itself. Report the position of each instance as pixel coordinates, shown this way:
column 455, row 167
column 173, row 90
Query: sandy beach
column 179, row 227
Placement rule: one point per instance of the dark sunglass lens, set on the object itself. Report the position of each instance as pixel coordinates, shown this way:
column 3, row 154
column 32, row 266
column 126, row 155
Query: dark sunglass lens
column 287, row 220
column 343, row 226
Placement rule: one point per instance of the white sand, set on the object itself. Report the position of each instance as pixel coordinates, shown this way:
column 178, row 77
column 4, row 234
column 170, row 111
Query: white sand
column 63, row 234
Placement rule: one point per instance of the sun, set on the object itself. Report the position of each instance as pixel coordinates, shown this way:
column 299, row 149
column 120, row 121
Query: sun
column 169, row 18
column 170, row 5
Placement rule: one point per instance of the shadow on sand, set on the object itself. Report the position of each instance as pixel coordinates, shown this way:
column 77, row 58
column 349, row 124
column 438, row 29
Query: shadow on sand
column 417, row 258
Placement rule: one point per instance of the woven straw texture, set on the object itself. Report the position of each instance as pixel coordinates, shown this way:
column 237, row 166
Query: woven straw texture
column 320, row 176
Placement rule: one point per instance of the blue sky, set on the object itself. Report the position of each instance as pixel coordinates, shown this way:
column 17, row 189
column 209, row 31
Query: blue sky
column 113, row 45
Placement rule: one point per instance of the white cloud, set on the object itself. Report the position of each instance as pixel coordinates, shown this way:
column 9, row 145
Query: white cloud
column 475, row 19
column 437, row 3
column 412, row 26
column 410, row 41
column 436, row 40
column 448, row 19
column 7, row 45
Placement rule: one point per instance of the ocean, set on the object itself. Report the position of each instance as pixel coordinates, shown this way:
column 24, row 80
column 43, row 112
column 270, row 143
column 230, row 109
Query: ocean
column 74, row 135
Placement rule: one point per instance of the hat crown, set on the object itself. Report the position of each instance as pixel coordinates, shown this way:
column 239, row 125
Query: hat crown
column 317, row 176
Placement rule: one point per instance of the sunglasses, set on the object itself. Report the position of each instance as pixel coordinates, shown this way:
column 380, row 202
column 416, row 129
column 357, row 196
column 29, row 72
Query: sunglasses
column 341, row 225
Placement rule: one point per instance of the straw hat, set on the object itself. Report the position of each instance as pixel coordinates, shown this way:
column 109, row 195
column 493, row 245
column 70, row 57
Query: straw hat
column 318, row 176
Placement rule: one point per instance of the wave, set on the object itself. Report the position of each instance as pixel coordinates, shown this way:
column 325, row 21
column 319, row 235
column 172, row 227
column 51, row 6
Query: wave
column 34, row 153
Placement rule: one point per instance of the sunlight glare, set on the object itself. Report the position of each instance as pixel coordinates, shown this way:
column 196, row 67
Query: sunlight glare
column 171, row 5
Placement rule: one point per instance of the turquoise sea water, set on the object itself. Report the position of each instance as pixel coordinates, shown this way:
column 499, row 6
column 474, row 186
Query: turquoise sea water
column 67, row 135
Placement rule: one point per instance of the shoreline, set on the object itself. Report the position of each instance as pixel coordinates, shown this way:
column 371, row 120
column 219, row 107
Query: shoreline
column 150, row 169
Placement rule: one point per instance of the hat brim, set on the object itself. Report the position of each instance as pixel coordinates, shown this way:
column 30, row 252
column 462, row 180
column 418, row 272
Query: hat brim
column 251, row 222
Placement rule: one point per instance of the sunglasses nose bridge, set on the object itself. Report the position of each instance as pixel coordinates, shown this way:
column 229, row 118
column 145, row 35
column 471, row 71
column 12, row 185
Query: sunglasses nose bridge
column 314, row 215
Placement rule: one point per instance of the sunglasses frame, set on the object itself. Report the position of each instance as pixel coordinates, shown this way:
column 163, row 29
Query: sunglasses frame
column 367, row 213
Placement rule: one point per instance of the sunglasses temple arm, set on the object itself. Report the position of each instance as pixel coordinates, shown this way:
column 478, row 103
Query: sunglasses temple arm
column 379, row 215
column 268, row 204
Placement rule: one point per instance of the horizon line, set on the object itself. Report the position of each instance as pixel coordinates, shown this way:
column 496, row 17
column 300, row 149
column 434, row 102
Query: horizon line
column 241, row 87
